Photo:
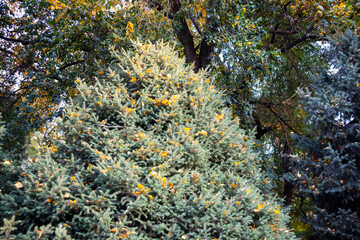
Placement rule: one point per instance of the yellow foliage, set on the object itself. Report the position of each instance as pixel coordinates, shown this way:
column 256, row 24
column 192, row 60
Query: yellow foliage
column 129, row 28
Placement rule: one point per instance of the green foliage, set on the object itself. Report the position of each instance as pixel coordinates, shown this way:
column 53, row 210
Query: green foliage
column 328, row 173
column 2, row 154
column 42, row 49
column 260, row 51
column 2, row 133
column 148, row 152
column 8, row 169
column 45, row 45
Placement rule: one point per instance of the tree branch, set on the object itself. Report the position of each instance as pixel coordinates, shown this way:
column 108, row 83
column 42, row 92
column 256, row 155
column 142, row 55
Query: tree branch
column 7, row 51
column 297, row 41
column 7, row 110
column 306, row 36
column 110, row 127
column 260, row 130
column 154, row 4
column 204, row 56
column 185, row 36
column 183, row 33
column 196, row 25
column 71, row 64
column 187, row 40
column 15, row 40
column 283, row 31
column 268, row 106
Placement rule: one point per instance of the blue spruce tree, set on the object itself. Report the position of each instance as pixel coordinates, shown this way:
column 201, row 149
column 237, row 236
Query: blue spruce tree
column 148, row 152
column 328, row 171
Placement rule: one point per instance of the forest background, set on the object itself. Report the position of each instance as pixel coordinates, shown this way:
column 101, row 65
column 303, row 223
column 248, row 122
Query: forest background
column 258, row 52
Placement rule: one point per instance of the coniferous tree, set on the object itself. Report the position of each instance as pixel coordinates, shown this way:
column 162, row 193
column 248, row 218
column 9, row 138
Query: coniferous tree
column 8, row 167
column 148, row 152
column 3, row 159
column 328, row 173
column 2, row 132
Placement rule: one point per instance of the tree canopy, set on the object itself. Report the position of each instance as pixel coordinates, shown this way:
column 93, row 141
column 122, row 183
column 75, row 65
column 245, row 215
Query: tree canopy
column 258, row 53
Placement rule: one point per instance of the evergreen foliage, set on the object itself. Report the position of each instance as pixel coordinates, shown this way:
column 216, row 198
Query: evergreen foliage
column 8, row 168
column 2, row 133
column 148, row 152
column 2, row 154
column 329, row 172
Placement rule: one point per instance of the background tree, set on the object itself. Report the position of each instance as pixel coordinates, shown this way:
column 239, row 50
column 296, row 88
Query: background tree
column 149, row 151
column 69, row 37
column 45, row 45
column 264, row 42
column 292, row 28
column 328, row 171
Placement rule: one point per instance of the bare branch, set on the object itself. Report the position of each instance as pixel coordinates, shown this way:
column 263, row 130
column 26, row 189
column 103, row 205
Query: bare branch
column 299, row 40
column 268, row 106
column 305, row 36
column 7, row 51
column 283, row 31
column 110, row 127
column 71, row 64
column 15, row 40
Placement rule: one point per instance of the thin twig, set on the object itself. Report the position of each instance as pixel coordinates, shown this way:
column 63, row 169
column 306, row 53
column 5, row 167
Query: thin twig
column 268, row 105
column 110, row 127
